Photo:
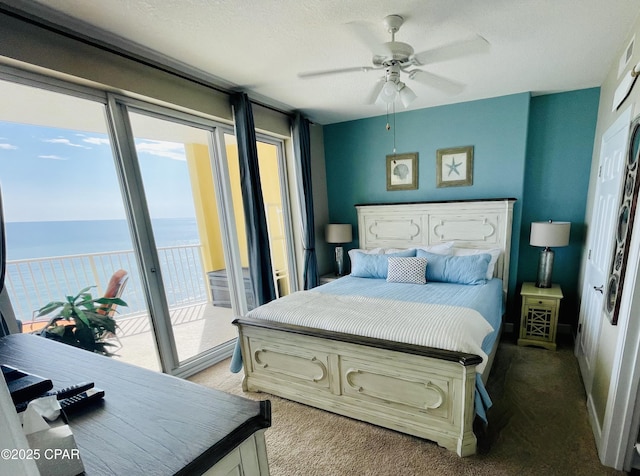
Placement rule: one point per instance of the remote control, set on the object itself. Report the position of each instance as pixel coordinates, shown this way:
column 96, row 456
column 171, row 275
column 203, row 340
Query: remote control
column 69, row 391
column 60, row 394
column 71, row 404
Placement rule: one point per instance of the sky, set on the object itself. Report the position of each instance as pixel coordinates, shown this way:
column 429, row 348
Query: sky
column 57, row 174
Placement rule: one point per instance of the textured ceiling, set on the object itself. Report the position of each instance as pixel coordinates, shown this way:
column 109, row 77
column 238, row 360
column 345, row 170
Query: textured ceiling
column 261, row 45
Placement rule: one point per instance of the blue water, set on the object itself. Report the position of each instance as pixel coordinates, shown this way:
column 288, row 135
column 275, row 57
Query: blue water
column 36, row 284
column 61, row 238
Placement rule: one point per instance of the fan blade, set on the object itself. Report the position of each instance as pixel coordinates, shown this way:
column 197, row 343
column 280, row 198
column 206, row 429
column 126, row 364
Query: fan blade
column 474, row 46
column 313, row 74
column 362, row 31
column 437, row 82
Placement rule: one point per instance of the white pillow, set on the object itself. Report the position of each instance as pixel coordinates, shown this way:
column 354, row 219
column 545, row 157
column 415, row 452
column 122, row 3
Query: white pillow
column 443, row 248
column 407, row 270
column 494, row 252
column 440, row 249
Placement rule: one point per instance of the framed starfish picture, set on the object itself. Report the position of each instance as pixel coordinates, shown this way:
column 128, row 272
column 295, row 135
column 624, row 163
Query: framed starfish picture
column 454, row 166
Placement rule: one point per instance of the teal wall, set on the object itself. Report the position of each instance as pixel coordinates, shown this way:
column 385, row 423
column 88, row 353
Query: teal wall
column 355, row 157
column 498, row 128
column 561, row 133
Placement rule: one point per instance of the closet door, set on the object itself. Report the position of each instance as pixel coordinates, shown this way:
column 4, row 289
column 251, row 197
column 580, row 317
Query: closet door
column 600, row 247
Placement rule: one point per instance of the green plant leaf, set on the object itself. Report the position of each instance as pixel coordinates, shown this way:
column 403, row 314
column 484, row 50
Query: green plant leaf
column 67, row 311
column 105, row 300
column 88, row 324
column 104, row 322
column 49, row 308
column 82, row 291
column 80, row 314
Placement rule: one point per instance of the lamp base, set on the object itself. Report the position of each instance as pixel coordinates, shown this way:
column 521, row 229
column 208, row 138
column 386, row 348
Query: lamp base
column 339, row 261
column 545, row 268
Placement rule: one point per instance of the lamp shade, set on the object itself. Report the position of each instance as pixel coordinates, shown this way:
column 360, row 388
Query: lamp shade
column 550, row 233
column 338, row 233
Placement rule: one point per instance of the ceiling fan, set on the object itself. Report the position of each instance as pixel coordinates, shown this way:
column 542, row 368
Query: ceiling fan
column 395, row 57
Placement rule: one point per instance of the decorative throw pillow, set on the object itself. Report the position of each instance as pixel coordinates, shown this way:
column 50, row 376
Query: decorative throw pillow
column 471, row 269
column 365, row 265
column 373, row 251
column 494, row 252
column 407, row 270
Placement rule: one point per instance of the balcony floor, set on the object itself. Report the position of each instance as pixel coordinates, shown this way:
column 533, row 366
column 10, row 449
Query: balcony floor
column 196, row 328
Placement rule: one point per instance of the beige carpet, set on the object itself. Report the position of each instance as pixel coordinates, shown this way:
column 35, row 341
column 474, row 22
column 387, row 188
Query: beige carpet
column 538, row 426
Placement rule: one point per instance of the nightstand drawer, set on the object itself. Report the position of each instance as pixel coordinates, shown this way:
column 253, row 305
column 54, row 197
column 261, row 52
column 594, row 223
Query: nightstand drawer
column 537, row 302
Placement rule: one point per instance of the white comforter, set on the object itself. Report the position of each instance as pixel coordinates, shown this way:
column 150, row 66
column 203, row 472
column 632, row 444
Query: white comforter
column 431, row 325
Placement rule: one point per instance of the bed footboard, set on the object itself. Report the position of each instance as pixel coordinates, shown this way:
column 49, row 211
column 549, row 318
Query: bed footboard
column 425, row 392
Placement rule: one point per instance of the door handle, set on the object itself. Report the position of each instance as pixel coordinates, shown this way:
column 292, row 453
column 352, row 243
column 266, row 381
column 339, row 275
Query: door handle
column 599, row 289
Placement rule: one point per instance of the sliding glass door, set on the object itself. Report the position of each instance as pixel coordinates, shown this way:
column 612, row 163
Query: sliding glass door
column 96, row 183
column 66, row 223
column 177, row 163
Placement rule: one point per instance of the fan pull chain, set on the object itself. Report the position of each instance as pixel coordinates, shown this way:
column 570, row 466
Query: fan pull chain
column 394, row 128
column 388, row 126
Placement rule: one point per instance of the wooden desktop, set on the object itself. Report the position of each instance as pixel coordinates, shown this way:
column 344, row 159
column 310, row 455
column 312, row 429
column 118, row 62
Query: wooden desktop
column 148, row 423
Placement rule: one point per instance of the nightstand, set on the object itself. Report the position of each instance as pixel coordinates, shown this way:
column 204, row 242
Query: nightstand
column 327, row 278
column 539, row 319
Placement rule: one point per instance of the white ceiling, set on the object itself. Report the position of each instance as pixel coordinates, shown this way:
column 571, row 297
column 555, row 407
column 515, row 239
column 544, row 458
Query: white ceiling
column 540, row 46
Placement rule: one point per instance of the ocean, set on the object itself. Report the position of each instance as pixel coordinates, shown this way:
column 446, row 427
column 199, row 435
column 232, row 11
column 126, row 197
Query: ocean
column 32, row 284
column 41, row 239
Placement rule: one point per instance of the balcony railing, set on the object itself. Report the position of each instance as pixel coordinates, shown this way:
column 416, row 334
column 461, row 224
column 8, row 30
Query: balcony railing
column 32, row 283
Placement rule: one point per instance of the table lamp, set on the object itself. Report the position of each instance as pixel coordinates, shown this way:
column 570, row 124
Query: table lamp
column 547, row 234
column 338, row 234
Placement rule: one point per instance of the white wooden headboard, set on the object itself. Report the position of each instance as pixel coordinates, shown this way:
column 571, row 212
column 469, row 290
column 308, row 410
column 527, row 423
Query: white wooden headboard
column 482, row 224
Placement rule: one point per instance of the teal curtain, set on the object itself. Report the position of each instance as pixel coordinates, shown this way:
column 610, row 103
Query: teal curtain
column 302, row 148
column 260, row 269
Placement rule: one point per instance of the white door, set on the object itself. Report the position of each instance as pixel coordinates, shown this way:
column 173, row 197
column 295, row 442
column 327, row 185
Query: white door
column 600, row 243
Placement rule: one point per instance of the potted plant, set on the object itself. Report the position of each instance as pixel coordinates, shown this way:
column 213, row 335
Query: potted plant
column 82, row 321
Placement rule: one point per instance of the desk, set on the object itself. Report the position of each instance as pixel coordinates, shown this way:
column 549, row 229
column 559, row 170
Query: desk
column 149, row 423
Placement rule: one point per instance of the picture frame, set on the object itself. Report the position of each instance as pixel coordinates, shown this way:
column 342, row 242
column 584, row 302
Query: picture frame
column 402, row 171
column 454, row 166
column 622, row 236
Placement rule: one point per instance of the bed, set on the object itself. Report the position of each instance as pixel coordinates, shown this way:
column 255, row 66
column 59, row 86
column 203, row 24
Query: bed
column 419, row 386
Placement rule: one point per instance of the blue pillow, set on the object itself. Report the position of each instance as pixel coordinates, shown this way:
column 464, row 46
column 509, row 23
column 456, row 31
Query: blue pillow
column 469, row 269
column 366, row 265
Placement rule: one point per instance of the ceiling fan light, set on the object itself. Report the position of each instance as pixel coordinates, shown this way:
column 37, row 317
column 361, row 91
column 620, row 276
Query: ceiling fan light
column 407, row 96
column 388, row 92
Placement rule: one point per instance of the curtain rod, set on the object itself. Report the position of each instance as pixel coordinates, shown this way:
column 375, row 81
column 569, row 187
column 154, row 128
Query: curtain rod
column 110, row 48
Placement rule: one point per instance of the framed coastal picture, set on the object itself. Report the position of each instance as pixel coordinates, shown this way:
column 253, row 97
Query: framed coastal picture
column 454, row 166
column 402, row 171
